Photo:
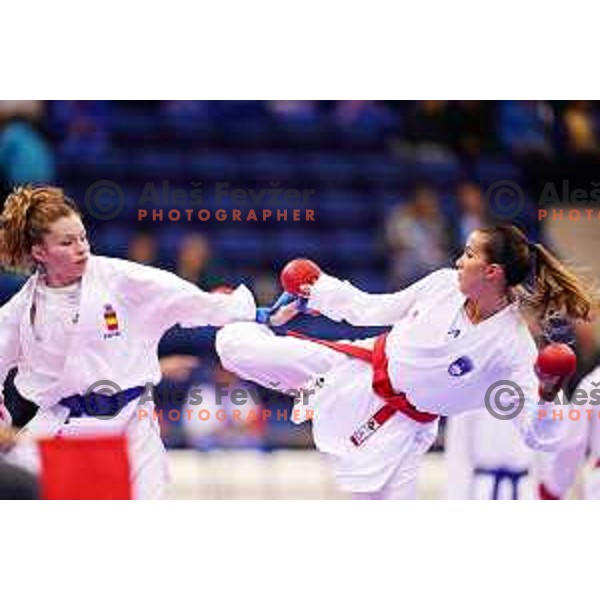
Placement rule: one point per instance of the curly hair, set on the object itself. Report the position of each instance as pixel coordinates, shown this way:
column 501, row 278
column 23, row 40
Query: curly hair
column 28, row 214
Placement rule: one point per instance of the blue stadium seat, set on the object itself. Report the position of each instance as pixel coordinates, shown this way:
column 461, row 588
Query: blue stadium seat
column 352, row 248
column 488, row 171
column 132, row 125
column 345, row 209
column 110, row 240
column 370, row 280
column 388, row 198
column 240, row 111
column 104, row 201
column 242, row 246
column 214, row 166
column 157, row 164
column 10, row 284
column 450, row 208
column 169, row 241
column 327, row 167
column 369, row 129
column 294, row 243
column 379, row 169
column 192, row 130
column 247, row 133
column 112, row 166
column 267, row 166
column 300, row 131
column 440, row 171
column 135, row 198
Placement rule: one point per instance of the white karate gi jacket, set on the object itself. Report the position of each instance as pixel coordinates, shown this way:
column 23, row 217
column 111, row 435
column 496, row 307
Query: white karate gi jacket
column 122, row 349
column 439, row 373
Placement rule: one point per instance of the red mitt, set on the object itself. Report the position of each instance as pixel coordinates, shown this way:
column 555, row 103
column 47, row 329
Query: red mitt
column 297, row 273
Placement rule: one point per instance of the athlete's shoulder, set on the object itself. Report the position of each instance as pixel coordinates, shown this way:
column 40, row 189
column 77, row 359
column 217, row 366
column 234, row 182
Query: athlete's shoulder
column 447, row 274
column 137, row 280
column 442, row 278
column 119, row 266
column 98, row 261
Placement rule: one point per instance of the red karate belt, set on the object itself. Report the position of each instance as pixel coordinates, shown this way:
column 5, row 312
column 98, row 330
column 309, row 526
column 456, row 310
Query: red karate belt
column 382, row 386
column 85, row 468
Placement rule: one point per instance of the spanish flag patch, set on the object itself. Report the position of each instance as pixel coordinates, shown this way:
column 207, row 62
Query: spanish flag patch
column 110, row 318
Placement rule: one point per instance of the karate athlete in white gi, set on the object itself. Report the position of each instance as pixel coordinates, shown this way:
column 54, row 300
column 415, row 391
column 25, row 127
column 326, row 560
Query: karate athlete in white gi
column 81, row 319
column 486, row 459
column 454, row 334
column 558, row 471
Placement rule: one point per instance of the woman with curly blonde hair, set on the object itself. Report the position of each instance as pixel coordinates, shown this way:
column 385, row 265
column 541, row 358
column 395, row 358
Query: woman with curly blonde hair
column 84, row 324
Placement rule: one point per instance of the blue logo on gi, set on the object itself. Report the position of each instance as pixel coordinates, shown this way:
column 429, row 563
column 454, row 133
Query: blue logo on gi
column 461, row 366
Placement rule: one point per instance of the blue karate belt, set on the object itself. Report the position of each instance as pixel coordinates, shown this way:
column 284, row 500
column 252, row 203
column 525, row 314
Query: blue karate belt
column 100, row 405
column 500, row 474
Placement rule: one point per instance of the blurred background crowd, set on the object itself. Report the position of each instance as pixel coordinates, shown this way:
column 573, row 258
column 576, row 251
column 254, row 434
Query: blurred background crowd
column 397, row 186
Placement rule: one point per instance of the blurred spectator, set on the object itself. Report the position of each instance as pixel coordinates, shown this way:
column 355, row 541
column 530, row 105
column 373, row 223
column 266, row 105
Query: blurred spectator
column 82, row 127
column 472, row 126
column 473, row 211
column 25, row 157
column 178, row 367
column 416, row 235
column 143, row 248
column 581, row 128
column 428, row 126
column 526, row 127
column 29, row 110
column 194, row 262
column 266, row 288
column 229, row 414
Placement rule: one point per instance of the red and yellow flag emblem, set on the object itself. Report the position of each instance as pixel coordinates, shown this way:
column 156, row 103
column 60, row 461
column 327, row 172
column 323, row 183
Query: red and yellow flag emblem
column 110, row 318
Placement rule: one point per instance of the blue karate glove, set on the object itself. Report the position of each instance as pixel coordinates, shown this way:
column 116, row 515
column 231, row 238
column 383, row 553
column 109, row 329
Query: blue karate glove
column 263, row 313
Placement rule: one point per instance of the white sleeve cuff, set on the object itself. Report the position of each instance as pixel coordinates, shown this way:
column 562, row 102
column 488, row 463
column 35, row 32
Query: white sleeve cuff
column 321, row 290
column 244, row 306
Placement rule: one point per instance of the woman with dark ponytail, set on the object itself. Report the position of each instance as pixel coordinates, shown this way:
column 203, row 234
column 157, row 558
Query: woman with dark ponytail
column 459, row 341
column 536, row 277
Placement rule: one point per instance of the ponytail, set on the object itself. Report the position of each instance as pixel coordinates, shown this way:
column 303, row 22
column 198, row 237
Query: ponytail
column 557, row 289
column 540, row 281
